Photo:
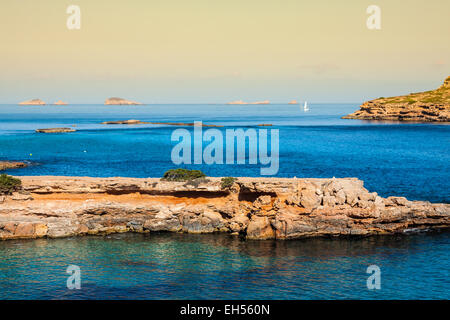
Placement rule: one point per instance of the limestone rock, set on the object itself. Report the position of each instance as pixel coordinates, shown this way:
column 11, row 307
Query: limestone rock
column 260, row 228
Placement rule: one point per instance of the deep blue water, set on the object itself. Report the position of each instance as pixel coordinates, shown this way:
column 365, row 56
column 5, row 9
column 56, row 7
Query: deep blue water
column 411, row 160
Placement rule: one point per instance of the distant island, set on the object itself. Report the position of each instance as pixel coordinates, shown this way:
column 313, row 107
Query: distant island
column 293, row 102
column 60, row 103
column 120, row 101
column 33, row 102
column 243, row 102
column 428, row 106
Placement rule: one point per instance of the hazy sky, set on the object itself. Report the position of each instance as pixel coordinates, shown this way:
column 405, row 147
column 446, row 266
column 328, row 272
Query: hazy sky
column 174, row 51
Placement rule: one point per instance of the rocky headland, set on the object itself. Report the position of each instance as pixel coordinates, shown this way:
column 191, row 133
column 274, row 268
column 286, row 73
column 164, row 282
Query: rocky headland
column 120, row 101
column 254, row 208
column 429, row 106
column 33, row 102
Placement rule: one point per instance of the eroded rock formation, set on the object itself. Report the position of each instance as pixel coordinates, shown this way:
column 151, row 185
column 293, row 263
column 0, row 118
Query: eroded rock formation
column 429, row 106
column 255, row 208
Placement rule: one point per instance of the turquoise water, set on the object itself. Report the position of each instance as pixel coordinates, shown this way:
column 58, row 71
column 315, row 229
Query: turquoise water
column 180, row 266
column 411, row 160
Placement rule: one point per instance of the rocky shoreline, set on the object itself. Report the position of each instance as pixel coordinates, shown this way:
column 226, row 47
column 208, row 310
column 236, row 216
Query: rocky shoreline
column 254, row 208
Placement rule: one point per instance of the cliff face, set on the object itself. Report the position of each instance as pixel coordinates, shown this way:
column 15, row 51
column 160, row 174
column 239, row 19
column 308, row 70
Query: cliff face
column 257, row 208
column 429, row 106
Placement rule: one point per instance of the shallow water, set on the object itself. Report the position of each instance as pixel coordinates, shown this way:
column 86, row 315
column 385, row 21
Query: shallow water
column 180, row 266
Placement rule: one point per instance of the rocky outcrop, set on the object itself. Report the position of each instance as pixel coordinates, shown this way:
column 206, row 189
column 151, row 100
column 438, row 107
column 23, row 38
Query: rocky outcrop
column 6, row 165
column 255, row 208
column 120, row 101
column 429, row 106
column 33, row 102
column 55, row 130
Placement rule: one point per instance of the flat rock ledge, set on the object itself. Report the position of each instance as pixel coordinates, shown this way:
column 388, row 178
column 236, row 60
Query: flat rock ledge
column 254, row 208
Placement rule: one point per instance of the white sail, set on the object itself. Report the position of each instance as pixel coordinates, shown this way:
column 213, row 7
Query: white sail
column 305, row 107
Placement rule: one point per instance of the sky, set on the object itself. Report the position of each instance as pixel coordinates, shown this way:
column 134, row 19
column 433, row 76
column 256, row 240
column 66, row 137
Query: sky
column 216, row 51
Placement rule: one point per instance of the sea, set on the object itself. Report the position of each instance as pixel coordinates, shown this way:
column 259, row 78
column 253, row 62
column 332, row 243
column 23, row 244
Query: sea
column 393, row 159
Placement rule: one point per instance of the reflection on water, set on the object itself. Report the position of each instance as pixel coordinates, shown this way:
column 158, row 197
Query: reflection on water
column 180, row 266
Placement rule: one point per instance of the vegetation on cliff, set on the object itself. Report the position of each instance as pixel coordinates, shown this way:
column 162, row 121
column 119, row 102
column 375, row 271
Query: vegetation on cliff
column 439, row 96
column 9, row 184
column 182, row 175
column 227, row 182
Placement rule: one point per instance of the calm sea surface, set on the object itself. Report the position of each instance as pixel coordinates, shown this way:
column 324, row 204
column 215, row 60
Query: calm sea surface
column 411, row 160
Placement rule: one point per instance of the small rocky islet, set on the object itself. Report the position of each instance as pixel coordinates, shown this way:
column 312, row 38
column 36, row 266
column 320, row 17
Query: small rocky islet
column 428, row 106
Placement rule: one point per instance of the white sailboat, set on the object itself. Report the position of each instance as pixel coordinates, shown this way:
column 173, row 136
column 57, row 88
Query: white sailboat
column 305, row 107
